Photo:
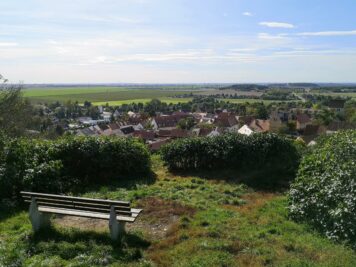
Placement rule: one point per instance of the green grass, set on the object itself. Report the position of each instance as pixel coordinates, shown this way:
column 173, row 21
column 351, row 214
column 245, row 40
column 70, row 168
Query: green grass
column 216, row 223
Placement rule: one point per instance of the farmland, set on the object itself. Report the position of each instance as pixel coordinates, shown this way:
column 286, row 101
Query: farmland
column 99, row 94
column 118, row 95
column 125, row 95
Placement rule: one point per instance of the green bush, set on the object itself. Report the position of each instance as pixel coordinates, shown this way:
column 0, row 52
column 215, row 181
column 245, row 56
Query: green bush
column 324, row 193
column 67, row 164
column 232, row 151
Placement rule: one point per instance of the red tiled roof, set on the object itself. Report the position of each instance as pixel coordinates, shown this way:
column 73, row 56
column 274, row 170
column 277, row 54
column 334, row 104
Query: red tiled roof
column 146, row 135
column 303, row 118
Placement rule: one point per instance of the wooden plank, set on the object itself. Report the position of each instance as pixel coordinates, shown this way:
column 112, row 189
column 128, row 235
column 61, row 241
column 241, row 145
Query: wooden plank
column 83, row 208
column 77, row 203
column 84, row 214
column 94, row 200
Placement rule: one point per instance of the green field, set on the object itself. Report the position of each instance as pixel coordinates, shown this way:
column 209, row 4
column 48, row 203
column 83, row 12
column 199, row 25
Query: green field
column 99, row 94
column 186, row 221
column 118, row 95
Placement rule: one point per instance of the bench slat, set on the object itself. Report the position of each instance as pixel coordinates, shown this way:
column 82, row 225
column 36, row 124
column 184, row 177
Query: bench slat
column 83, row 208
column 85, row 214
column 90, row 200
column 77, row 203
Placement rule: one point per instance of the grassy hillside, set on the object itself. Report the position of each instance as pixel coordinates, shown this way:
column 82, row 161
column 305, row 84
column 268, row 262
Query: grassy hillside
column 187, row 221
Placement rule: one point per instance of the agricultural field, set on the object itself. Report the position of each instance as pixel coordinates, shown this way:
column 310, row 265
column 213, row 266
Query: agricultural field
column 125, row 95
column 187, row 221
column 99, row 94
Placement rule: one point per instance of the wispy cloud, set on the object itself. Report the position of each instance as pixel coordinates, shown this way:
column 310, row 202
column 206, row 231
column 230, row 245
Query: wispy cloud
column 328, row 33
column 8, row 44
column 272, row 24
column 268, row 36
column 249, row 14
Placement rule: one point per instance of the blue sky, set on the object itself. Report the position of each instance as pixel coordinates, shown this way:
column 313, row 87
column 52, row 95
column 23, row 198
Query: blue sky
column 161, row 41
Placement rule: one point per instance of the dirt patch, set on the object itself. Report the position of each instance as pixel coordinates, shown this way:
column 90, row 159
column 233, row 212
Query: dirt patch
column 160, row 215
column 155, row 221
column 253, row 201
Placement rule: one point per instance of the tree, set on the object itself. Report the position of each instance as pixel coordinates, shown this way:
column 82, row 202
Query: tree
column 186, row 124
column 15, row 111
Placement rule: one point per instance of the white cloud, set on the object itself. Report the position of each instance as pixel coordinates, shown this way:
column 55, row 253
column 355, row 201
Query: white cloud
column 268, row 36
column 328, row 33
column 8, row 44
column 272, row 24
column 249, row 14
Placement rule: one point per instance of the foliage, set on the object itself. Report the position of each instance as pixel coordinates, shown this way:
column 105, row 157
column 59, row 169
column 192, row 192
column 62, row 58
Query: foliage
column 324, row 193
column 68, row 163
column 263, row 152
column 15, row 111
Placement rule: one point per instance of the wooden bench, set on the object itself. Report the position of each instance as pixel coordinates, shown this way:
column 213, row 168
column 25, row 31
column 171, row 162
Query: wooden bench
column 116, row 212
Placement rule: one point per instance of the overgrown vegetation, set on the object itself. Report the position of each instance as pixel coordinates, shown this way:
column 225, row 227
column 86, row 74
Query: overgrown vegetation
column 324, row 193
column 265, row 152
column 68, row 163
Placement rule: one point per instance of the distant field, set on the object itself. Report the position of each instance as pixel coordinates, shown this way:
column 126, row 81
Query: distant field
column 353, row 95
column 167, row 100
column 98, row 94
column 126, row 95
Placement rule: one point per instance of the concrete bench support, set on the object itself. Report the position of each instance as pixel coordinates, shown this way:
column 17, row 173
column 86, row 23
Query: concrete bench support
column 38, row 219
column 117, row 228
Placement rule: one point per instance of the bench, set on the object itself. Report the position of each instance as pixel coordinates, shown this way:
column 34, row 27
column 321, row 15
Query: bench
column 118, row 213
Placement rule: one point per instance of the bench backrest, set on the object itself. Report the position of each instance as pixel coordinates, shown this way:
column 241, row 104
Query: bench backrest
column 78, row 203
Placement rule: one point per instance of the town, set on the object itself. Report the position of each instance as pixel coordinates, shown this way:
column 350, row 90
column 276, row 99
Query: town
column 157, row 123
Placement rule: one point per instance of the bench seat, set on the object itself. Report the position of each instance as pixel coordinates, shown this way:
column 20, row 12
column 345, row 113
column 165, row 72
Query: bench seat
column 95, row 215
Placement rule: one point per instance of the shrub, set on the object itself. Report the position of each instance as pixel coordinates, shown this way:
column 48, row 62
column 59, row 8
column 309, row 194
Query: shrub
column 68, row 163
column 324, row 193
column 232, row 151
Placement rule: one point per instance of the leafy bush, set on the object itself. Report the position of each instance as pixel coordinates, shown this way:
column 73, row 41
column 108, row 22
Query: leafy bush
column 324, row 193
column 232, row 151
column 67, row 163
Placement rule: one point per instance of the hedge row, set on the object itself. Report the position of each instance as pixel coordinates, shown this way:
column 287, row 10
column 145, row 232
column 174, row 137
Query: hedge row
column 67, row 164
column 324, row 192
column 232, row 151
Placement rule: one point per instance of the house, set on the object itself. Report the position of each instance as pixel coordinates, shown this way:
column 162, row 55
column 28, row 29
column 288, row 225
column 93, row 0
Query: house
column 106, row 116
column 127, row 130
column 173, row 133
column 164, row 121
column 115, row 129
column 335, row 126
column 260, row 126
column 337, row 104
column 225, row 119
column 245, row 130
column 302, row 120
column 202, row 131
column 156, row 144
column 312, row 131
column 86, row 132
column 275, row 122
column 214, row 132
column 145, row 135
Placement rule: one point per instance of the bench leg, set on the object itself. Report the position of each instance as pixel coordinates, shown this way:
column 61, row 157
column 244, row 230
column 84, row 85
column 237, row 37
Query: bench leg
column 38, row 219
column 117, row 229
